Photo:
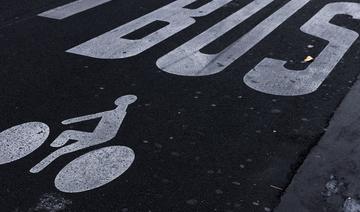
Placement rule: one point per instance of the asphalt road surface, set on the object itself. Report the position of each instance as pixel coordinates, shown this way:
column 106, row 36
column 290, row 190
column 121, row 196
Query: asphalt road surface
column 210, row 118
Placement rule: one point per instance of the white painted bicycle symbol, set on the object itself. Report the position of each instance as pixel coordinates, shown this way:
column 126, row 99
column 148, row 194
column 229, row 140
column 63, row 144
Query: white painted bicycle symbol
column 89, row 171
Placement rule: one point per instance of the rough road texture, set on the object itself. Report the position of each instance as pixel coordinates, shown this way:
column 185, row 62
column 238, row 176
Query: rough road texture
column 330, row 174
column 206, row 143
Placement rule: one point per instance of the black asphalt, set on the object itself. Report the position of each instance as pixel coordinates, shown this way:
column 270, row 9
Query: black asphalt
column 201, row 143
column 328, row 180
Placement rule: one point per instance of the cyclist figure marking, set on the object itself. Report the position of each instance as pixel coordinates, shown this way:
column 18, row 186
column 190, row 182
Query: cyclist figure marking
column 105, row 131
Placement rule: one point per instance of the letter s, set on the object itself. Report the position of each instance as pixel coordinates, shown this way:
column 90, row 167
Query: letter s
column 271, row 77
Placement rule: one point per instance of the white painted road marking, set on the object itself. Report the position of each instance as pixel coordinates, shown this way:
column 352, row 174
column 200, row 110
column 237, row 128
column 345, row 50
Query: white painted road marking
column 89, row 171
column 21, row 140
column 106, row 130
column 112, row 45
column 72, row 8
column 94, row 169
column 189, row 61
column 271, row 77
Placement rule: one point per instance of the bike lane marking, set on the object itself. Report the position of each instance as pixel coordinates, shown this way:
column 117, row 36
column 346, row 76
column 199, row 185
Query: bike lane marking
column 105, row 131
column 86, row 172
column 72, row 8
column 21, row 140
column 94, row 169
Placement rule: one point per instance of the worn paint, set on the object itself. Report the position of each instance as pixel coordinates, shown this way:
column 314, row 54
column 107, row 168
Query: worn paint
column 72, row 8
column 113, row 45
column 106, row 130
column 94, row 169
column 21, row 140
column 187, row 59
column 271, row 77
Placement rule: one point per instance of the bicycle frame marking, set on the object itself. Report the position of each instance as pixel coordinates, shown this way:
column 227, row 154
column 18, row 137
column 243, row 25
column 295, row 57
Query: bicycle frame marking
column 19, row 141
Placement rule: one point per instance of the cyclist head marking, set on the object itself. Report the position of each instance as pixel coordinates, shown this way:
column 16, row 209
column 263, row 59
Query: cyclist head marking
column 127, row 99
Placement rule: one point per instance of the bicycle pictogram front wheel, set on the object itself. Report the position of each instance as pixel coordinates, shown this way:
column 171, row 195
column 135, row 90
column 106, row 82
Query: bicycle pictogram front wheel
column 94, row 169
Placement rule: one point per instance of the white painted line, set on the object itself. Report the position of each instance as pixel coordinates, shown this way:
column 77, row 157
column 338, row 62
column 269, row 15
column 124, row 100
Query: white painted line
column 72, row 8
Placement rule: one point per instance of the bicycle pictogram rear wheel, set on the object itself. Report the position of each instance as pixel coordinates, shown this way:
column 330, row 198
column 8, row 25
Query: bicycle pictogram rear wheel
column 21, row 140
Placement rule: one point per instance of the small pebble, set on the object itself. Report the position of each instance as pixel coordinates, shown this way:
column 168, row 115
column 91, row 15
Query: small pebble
column 256, row 203
column 192, row 202
column 237, row 205
column 275, row 111
column 218, row 191
column 236, row 183
column 210, row 171
column 176, row 154
column 157, row 145
column 165, row 180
